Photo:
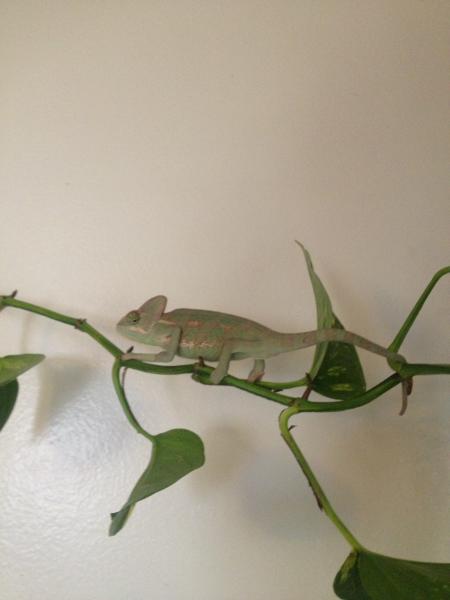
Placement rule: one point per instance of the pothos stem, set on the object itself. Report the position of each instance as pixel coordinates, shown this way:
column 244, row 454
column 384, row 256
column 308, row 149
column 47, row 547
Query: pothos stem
column 322, row 500
column 267, row 390
column 124, row 402
column 264, row 389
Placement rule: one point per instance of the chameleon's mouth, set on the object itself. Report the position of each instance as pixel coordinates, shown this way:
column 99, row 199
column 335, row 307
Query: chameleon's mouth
column 134, row 325
column 130, row 331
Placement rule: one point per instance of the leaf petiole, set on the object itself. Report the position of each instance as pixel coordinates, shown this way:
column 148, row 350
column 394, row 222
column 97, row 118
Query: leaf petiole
column 124, row 402
column 322, row 500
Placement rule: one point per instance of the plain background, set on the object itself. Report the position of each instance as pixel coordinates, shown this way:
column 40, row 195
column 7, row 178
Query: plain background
column 180, row 148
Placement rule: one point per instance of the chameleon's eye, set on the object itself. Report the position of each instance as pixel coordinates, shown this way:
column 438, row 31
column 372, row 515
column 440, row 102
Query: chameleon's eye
column 133, row 316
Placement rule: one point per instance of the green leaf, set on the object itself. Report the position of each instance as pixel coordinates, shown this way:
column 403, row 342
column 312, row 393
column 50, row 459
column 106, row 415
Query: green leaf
column 336, row 371
column 325, row 317
column 347, row 583
column 10, row 368
column 13, row 366
column 386, row 577
column 340, row 375
column 8, row 395
column 367, row 575
column 175, row 454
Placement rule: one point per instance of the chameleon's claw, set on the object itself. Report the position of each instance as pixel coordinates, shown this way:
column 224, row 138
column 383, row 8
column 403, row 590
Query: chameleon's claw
column 255, row 378
column 128, row 355
column 256, row 374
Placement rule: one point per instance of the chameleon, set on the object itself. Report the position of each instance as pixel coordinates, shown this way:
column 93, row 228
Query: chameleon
column 220, row 337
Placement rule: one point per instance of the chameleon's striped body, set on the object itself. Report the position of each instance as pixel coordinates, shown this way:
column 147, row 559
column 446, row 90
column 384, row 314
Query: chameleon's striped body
column 221, row 337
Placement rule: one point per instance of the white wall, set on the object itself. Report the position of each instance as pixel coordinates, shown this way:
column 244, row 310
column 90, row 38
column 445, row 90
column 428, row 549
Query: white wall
column 180, row 148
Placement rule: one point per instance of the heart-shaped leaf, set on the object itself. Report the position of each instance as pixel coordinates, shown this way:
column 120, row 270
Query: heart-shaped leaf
column 175, row 453
column 13, row 366
column 8, row 395
column 367, row 575
column 340, row 375
column 386, row 577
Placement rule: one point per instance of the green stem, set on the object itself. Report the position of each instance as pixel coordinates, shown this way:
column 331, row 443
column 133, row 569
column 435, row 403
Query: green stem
column 78, row 323
column 202, row 373
column 399, row 338
column 124, row 402
column 349, row 403
column 321, row 498
column 261, row 389
column 138, row 365
column 83, row 325
column 39, row 310
column 413, row 369
column 284, row 385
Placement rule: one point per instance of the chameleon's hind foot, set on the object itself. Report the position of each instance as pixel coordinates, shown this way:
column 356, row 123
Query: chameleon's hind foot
column 255, row 378
column 216, row 377
column 256, row 374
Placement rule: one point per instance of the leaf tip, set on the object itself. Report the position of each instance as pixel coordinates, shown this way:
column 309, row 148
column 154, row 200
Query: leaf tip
column 118, row 520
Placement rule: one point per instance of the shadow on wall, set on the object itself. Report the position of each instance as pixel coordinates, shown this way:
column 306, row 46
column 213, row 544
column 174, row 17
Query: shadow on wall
column 75, row 414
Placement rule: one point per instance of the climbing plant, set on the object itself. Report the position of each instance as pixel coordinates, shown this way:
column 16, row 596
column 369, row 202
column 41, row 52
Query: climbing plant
column 336, row 373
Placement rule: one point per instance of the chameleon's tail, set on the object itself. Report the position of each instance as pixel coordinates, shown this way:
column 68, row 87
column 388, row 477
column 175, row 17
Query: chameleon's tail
column 296, row 341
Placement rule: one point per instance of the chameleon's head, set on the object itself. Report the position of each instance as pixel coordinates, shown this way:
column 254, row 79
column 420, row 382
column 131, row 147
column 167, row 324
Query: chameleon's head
column 130, row 325
column 137, row 323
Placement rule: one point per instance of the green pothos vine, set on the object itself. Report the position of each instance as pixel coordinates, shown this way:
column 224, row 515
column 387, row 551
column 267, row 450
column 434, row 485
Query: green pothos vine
column 336, row 373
